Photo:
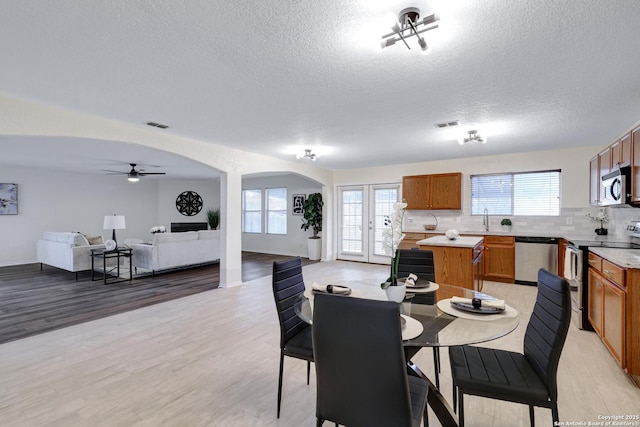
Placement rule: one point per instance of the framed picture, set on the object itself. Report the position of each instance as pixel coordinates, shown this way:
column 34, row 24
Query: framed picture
column 298, row 204
column 8, row 199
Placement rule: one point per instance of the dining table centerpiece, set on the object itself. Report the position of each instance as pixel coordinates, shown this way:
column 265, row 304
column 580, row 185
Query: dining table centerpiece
column 391, row 238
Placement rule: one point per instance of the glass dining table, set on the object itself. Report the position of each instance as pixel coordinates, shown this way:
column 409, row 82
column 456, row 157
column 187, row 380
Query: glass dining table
column 439, row 324
column 439, row 328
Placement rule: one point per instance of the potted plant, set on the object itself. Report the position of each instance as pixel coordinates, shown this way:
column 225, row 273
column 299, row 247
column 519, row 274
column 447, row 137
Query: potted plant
column 600, row 217
column 506, row 224
column 392, row 237
column 312, row 212
column 213, row 218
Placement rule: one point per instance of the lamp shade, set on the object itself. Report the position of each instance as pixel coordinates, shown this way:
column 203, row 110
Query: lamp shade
column 114, row 222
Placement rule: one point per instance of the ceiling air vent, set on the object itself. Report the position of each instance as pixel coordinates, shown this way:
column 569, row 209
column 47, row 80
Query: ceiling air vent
column 447, row 124
column 157, row 125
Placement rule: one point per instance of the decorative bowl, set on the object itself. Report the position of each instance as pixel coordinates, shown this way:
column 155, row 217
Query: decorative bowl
column 429, row 227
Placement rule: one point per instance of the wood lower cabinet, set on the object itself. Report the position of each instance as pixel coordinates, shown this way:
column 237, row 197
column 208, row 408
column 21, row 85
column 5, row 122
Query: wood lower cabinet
column 608, row 306
column 455, row 265
column 500, row 258
column 432, row 192
column 410, row 239
column 613, row 319
column 595, row 300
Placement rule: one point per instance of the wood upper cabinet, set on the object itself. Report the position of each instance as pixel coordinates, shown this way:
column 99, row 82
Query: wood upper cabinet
column 427, row 192
column 594, row 181
column 604, row 162
column 499, row 258
column 621, row 152
column 635, row 165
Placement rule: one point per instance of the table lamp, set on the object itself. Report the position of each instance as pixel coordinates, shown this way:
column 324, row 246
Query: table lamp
column 114, row 222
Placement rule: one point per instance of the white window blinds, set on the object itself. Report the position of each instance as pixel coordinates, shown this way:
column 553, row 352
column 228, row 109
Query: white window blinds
column 526, row 193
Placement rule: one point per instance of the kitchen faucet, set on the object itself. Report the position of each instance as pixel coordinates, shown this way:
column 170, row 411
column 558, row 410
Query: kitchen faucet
column 485, row 220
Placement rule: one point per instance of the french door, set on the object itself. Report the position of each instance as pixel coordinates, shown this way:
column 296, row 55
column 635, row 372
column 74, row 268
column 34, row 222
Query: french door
column 361, row 213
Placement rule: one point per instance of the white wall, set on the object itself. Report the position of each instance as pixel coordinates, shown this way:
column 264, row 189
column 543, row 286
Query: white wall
column 295, row 241
column 169, row 190
column 65, row 201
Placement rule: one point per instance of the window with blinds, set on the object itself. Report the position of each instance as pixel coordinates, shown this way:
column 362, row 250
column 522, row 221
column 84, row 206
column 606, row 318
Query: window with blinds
column 523, row 193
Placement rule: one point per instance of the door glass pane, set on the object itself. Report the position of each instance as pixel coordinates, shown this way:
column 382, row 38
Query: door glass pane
column 351, row 221
column 384, row 198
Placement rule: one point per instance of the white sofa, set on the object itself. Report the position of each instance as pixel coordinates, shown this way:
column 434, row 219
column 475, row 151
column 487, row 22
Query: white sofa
column 68, row 251
column 173, row 250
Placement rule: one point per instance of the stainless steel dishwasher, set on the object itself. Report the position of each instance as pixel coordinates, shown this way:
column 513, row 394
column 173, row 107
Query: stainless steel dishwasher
column 533, row 253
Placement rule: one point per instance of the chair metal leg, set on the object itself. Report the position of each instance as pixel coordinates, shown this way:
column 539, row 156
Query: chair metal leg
column 455, row 397
column 308, row 371
column 531, row 416
column 280, row 381
column 436, row 365
column 460, row 409
column 554, row 413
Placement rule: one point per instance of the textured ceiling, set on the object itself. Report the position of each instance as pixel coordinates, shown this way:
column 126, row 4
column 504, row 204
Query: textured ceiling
column 270, row 75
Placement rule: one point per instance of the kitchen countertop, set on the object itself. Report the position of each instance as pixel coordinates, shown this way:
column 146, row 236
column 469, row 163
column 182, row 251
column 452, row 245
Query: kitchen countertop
column 581, row 237
column 628, row 258
column 460, row 242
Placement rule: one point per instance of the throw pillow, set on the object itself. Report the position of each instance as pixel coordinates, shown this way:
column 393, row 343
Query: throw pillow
column 95, row 240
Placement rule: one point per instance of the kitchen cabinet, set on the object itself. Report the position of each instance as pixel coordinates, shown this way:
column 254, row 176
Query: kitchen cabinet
column 635, row 165
column 621, row 152
column 562, row 250
column 454, row 260
column 608, row 305
column 594, row 181
column 432, row 192
column 595, row 300
column 410, row 239
column 500, row 258
column 604, row 163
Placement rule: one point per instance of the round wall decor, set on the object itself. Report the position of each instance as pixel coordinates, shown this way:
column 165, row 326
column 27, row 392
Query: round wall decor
column 189, row 203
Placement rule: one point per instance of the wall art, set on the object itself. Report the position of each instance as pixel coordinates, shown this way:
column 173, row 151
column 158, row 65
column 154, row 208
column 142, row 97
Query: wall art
column 298, row 204
column 8, row 199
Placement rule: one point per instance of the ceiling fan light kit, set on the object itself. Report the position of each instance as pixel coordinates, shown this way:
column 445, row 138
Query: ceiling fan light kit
column 410, row 25
column 133, row 175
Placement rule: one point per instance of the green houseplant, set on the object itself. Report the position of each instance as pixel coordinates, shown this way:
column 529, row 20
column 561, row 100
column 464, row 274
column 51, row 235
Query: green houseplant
column 312, row 218
column 213, row 218
column 506, row 224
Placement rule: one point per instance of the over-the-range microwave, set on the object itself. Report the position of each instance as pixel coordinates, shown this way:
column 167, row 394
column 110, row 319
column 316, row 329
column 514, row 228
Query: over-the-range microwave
column 616, row 185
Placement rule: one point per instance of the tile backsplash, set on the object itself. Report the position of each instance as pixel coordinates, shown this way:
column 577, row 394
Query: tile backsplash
column 571, row 221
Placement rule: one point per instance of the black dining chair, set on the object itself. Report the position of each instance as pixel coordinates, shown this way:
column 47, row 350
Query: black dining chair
column 361, row 370
column 420, row 262
column 295, row 334
column 528, row 378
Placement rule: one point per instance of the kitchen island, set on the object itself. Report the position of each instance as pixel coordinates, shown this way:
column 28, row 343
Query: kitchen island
column 457, row 262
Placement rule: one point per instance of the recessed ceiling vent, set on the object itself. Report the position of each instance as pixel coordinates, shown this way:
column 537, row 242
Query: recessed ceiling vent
column 157, row 125
column 447, row 124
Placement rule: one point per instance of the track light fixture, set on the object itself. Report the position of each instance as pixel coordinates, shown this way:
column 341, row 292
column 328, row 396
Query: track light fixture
column 307, row 155
column 410, row 25
column 474, row 136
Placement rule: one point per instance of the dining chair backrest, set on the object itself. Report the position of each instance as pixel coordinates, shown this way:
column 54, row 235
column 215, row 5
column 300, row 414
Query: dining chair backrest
column 547, row 329
column 418, row 262
column 360, row 365
column 287, row 285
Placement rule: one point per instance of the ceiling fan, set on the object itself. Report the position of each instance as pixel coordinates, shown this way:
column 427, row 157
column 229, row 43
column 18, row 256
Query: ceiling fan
column 133, row 175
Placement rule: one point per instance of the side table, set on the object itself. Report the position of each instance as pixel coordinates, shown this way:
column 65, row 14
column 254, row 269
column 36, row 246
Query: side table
column 108, row 274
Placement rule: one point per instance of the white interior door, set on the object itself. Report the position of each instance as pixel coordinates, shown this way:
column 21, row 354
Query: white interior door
column 361, row 213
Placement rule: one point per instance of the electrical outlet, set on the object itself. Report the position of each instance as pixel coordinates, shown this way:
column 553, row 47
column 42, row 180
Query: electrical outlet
column 569, row 220
column 410, row 219
column 458, row 219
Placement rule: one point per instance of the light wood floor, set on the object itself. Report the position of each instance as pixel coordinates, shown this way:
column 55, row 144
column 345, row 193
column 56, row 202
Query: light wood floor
column 211, row 359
